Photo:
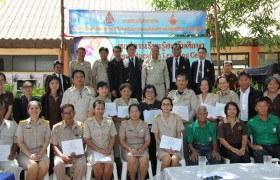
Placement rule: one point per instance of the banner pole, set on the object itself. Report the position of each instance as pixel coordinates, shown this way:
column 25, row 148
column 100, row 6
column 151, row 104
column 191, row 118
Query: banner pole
column 217, row 37
column 62, row 39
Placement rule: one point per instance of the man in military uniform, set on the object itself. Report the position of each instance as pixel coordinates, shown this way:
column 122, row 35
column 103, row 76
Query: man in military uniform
column 68, row 129
column 100, row 67
column 8, row 137
column 83, row 65
column 79, row 95
column 202, row 139
column 265, row 129
column 232, row 78
column 155, row 72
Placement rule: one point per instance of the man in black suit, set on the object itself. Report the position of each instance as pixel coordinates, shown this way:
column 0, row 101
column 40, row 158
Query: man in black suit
column 202, row 68
column 64, row 82
column 130, row 71
column 113, row 72
column 247, row 95
column 177, row 64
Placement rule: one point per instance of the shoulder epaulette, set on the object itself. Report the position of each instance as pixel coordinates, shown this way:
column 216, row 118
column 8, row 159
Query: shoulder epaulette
column 158, row 115
column 134, row 99
column 23, row 121
column 46, row 121
column 125, row 121
column 57, row 125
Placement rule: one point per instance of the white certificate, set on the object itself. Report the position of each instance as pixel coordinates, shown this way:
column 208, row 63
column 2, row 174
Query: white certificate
column 122, row 111
column 220, row 109
column 110, row 109
column 99, row 157
column 149, row 115
column 72, row 146
column 5, row 152
column 211, row 110
column 182, row 111
column 167, row 142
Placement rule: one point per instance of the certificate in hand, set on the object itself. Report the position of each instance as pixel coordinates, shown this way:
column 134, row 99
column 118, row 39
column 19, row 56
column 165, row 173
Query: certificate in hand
column 99, row 157
column 4, row 152
column 110, row 109
column 211, row 110
column 72, row 146
column 149, row 115
column 122, row 111
column 220, row 109
column 182, row 111
column 167, row 142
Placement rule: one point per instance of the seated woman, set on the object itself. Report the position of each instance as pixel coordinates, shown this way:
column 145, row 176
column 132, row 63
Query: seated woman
column 135, row 138
column 233, row 136
column 100, row 135
column 171, row 125
column 33, row 136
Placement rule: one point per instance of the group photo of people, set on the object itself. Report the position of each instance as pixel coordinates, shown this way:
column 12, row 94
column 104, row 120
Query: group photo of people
column 105, row 105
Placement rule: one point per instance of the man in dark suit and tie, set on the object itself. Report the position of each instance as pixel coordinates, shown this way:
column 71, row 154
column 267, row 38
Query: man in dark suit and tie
column 202, row 68
column 177, row 64
column 64, row 82
column 130, row 71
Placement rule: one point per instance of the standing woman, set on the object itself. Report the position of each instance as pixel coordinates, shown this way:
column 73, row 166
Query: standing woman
column 135, row 138
column 100, row 135
column 6, row 96
column 233, row 136
column 272, row 95
column 171, row 125
column 33, row 139
column 51, row 101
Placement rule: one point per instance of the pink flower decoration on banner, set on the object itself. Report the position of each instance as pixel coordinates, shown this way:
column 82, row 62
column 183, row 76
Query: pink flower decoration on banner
column 89, row 50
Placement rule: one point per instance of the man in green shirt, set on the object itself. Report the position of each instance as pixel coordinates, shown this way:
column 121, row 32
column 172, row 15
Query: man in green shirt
column 265, row 129
column 202, row 139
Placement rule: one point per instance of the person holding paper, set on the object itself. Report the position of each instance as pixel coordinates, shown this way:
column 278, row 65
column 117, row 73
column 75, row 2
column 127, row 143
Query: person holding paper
column 201, row 137
column 171, row 125
column 66, row 130
column 102, row 94
column 100, row 135
column 233, row 136
column 33, row 139
column 226, row 95
column 135, row 138
column 8, row 138
column 150, row 103
column 125, row 100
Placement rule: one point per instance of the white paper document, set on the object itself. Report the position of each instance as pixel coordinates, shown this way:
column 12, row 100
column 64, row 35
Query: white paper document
column 5, row 152
column 182, row 111
column 99, row 157
column 72, row 146
column 149, row 115
column 110, row 109
column 214, row 111
column 220, row 108
column 167, row 142
column 122, row 111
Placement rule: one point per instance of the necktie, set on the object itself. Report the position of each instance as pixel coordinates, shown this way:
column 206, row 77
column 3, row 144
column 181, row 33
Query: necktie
column 199, row 74
column 131, row 62
column 61, row 83
column 176, row 67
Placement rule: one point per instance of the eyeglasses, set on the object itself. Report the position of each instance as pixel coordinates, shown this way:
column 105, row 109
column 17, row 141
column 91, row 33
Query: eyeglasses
column 68, row 113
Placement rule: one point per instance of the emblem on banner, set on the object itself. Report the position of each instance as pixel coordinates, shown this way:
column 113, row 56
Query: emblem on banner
column 173, row 21
column 109, row 19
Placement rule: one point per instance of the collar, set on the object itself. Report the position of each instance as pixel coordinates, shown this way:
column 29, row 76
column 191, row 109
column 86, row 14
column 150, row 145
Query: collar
column 227, row 121
column 38, row 122
column 266, row 92
column 247, row 91
column 131, row 57
column 197, row 125
column 64, row 125
column 178, row 58
column 201, row 60
column 103, row 123
column 5, row 122
column 226, row 93
column 76, row 89
column 186, row 91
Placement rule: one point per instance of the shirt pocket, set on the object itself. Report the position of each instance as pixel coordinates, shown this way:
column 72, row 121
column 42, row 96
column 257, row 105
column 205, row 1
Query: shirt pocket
column 41, row 134
column 8, row 138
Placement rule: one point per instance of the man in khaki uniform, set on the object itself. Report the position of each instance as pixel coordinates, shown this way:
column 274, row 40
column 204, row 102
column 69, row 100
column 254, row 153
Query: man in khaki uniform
column 155, row 72
column 83, row 65
column 79, row 95
column 8, row 137
column 68, row 129
column 100, row 68
column 183, row 96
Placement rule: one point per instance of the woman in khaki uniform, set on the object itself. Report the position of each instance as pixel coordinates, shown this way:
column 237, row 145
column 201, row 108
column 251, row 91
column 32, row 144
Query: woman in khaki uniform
column 171, row 125
column 135, row 138
column 99, row 135
column 33, row 139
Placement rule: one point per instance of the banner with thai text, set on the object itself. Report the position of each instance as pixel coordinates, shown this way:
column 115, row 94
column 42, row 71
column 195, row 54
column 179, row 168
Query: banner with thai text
column 189, row 46
column 111, row 23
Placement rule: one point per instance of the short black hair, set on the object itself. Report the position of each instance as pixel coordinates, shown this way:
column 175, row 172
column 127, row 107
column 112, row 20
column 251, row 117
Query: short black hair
column 98, row 102
column 133, row 105
column 77, row 71
column 103, row 49
column 66, row 106
column 125, row 85
column 209, row 84
column 182, row 75
column 155, row 45
column 243, row 73
column 261, row 99
column 232, row 104
column 81, row 48
column 176, row 44
column 56, row 62
column 3, row 75
column 131, row 44
column 167, row 99
column 202, row 48
column 117, row 47
column 102, row 84
column 149, row 86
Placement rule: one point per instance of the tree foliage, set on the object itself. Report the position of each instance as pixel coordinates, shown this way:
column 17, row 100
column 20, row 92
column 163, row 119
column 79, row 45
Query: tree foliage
column 255, row 15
